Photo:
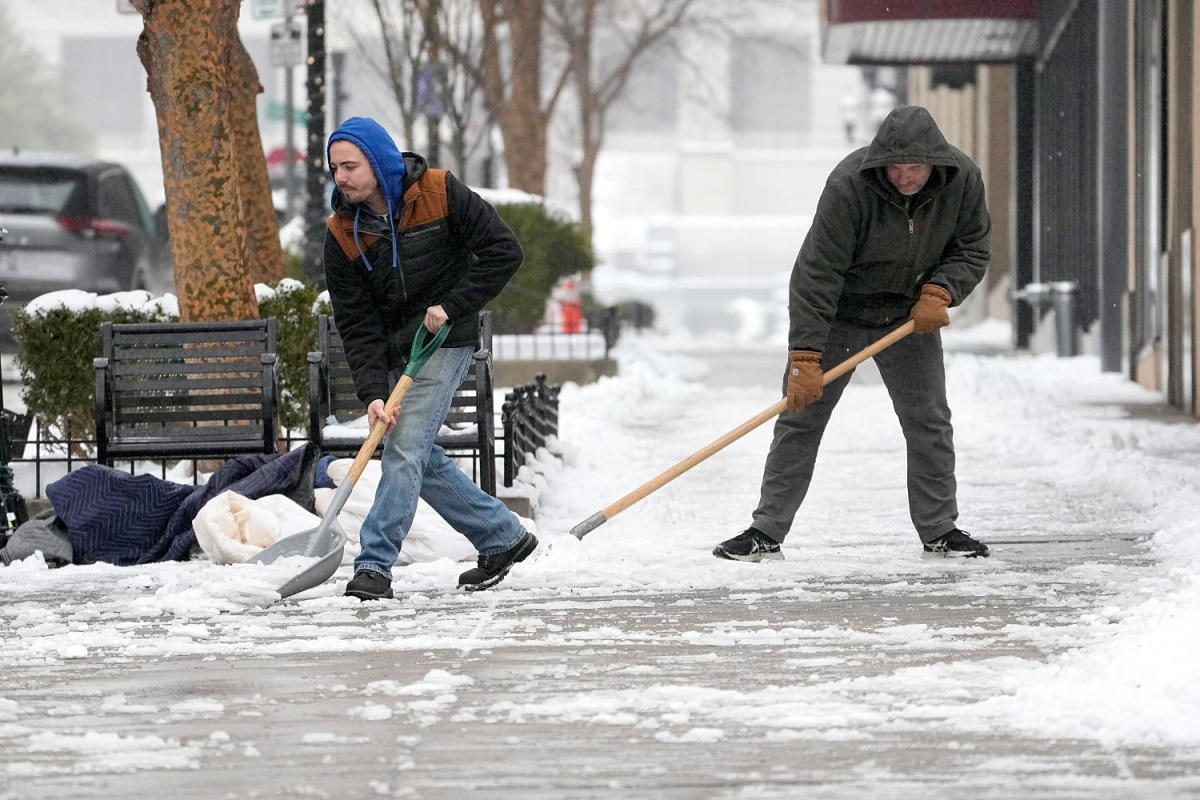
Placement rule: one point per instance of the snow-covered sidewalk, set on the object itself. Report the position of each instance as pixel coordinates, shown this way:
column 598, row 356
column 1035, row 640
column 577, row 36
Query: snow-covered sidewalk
column 633, row 663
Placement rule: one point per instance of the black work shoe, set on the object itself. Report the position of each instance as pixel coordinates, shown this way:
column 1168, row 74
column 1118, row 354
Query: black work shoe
column 367, row 584
column 957, row 543
column 749, row 545
column 490, row 570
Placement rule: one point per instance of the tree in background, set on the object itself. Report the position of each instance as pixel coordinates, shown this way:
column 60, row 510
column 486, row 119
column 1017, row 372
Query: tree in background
column 555, row 247
column 396, row 56
column 33, row 100
column 623, row 32
column 496, row 50
column 523, row 57
column 224, row 236
column 458, row 101
column 510, row 76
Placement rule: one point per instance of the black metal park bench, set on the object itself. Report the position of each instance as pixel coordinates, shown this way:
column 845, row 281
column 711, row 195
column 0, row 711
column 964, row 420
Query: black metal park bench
column 186, row 390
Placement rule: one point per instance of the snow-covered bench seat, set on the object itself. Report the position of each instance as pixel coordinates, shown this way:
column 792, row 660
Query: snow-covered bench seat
column 336, row 414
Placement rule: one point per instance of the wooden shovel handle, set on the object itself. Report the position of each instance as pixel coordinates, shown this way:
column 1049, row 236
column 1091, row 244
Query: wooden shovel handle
column 379, row 428
column 423, row 346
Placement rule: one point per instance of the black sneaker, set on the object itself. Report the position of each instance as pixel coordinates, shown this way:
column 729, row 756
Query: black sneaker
column 367, row 584
column 749, row 545
column 957, row 543
column 490, row 570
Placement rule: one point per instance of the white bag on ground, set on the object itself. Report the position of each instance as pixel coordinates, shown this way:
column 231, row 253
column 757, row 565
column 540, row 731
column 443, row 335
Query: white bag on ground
column 430, row 537
column 232, row 528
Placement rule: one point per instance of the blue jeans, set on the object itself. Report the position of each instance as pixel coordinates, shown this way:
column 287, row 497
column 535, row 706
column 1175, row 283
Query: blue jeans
column 414, row 465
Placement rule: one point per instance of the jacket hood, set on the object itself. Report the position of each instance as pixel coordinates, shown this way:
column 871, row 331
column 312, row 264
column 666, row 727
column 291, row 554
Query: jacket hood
column 908, row 135
column 385, row 158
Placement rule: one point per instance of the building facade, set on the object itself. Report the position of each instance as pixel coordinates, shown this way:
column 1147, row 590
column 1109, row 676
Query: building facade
column 1084, row 123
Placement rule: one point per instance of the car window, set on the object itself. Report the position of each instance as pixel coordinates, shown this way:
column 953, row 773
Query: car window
column 39, row 191
column 117, row 201
column 143, row 209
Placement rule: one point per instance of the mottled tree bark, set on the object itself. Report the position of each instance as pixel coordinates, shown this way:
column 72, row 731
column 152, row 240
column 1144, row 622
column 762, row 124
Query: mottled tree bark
column 263, row 253
column 188, row 48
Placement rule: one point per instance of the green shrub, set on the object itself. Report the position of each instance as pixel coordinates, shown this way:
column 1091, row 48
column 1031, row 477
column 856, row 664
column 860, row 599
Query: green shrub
column 295, row 308
column 555, row 247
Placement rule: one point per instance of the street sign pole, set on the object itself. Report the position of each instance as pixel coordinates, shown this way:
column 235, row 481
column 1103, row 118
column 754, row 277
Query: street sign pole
column 289, row 132
column 287, row 52
column 316, row 171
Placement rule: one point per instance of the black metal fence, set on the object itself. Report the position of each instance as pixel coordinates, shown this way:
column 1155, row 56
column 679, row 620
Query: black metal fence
column 529, row 417
column 597, row 335
column 549, row 341
column 36, row 462
column 12, row 504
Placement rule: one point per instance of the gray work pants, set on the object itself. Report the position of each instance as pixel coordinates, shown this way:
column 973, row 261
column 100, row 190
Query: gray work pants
column 915, row 377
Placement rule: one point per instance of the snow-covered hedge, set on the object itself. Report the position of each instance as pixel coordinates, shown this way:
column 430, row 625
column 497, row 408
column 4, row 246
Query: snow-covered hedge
column 58, row 335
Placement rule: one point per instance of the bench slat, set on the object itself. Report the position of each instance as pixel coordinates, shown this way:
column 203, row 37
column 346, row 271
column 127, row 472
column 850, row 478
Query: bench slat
column 189, row 399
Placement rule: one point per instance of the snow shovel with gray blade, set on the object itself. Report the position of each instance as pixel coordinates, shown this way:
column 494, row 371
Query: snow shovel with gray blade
column 327, row 541
column 604, row 515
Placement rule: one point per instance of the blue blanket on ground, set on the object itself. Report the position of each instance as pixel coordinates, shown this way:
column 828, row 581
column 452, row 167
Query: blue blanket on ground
column 124, row 519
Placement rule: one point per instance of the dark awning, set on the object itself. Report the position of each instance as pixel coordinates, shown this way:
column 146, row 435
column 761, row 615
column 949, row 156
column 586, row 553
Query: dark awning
column 927, row 31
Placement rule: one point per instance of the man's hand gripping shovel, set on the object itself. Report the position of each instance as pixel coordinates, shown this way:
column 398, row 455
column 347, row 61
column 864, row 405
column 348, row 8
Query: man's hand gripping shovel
column 327, row 541
column 605, row 514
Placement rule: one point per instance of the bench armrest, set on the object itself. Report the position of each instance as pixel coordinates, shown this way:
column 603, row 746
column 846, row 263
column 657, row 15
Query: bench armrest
column 318, row 392
column 103, row 401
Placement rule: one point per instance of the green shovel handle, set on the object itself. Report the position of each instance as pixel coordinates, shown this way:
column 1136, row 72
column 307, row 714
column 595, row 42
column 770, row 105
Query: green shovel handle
column 422, row 349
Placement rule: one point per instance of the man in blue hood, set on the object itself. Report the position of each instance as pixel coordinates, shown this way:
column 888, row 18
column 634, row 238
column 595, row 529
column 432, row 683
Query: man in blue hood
column 408, row 245
column 901, row 232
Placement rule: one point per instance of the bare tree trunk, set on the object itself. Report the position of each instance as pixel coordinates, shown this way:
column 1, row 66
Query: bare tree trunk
column 591, row 122
column 403, row 49
column 185, row 48
column 520, row 114
column 506, row 66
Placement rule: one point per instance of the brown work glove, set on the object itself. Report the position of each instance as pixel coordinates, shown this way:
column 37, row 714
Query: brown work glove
column 804, row 379
column 929, row 312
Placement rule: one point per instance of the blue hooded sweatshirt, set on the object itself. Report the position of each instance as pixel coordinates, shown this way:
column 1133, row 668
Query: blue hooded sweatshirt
column 386, row 160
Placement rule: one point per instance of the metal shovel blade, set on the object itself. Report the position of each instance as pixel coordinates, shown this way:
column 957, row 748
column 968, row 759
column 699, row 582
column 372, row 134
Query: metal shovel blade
column 326, row 541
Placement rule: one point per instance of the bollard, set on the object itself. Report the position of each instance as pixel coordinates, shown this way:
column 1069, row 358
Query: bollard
column 1065, row 297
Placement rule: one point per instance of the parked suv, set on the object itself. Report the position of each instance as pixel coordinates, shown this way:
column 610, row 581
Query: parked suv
column 75, row 222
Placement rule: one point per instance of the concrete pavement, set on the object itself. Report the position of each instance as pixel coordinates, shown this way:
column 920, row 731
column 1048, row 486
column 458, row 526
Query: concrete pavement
column 294, row 724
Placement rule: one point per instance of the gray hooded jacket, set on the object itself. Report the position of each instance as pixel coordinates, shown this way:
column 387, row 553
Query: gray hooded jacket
column 870, row 249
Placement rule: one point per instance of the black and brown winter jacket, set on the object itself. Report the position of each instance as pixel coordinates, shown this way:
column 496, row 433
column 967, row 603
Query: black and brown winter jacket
column 452, row 249
column 870, row 249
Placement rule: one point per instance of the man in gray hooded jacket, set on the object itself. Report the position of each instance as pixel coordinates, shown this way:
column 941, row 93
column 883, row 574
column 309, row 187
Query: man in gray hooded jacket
column 901, row 232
